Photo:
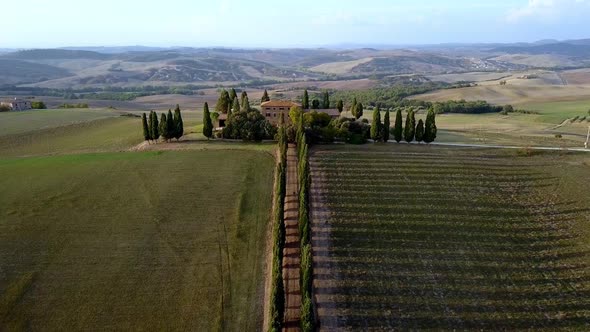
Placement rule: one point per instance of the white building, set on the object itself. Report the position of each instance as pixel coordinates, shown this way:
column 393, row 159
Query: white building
column 17, row 104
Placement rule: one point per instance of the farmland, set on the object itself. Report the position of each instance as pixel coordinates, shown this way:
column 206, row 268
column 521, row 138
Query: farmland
column 431, row 238
column 145, row 240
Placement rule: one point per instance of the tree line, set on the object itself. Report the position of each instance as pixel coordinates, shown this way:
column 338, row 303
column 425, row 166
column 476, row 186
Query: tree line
column 319, row 102
column 420, row 132
column 168, row 127
column 306, row 267
column 277, row 297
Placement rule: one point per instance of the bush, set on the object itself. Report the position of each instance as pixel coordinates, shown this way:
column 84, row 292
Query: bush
column 38, row 105
column 248, row 126
column 67, row 106
column 356, row 139
column 307, row 317
column 4, row 108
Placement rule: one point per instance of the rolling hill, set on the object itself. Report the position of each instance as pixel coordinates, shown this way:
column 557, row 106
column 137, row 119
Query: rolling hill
column 137, row 66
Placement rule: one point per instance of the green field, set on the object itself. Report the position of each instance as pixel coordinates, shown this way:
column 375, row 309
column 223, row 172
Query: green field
column 22, row 122
column 430, row 238
column 557, row 112
column 111, row 134
column 134, row 241
column 554, row 103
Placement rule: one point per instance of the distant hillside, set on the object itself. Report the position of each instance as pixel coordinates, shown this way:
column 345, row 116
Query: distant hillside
column 51, row 54
column 579, row 49
column 95, row 67
column 18, row 72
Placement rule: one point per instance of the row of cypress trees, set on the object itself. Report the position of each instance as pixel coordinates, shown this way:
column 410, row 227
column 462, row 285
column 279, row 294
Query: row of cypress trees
column 228, row 102
column 168, row 127
column 306, row 269
column 421, row 132
column 277, row 305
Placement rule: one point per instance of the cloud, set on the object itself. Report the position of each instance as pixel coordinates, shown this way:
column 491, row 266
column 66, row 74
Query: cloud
column 547, row 10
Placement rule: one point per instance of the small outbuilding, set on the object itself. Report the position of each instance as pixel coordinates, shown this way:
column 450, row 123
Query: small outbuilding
column 17, row 104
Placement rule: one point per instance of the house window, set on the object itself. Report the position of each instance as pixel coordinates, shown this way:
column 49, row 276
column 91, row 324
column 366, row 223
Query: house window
column 268, row 115
column 275, row 115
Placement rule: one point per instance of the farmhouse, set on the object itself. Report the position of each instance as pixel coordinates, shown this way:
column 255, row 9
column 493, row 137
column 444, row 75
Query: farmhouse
column 17, row 104
column 272, row 109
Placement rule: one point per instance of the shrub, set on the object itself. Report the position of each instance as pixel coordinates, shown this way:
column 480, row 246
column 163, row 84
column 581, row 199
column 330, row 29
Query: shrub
column 38, row 105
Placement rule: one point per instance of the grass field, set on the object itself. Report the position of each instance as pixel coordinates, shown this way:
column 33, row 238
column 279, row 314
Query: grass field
column 511, row 94
column 134, row 241
column 556, row 112
column 111, row 134
column 428, row 238
column 22, row 122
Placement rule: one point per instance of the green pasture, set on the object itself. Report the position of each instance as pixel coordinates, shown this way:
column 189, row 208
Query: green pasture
column 134, row 240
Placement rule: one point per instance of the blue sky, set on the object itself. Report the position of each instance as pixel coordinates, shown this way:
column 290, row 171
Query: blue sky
column 264, row 23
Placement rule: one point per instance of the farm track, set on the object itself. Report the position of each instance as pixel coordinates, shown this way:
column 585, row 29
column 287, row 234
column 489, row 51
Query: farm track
column 460, row 241
column 292, row 252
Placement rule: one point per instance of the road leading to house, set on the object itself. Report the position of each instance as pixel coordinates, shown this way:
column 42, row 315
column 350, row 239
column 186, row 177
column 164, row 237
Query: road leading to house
column 292, row 254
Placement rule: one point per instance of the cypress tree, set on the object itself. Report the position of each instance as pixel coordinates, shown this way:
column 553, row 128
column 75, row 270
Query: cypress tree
column 326, row 101
column 223, row 102
column 353, row 107
column 376, row 125
column 265, row 97
column 164, row 127
column 155, row 127
column 151, row 125
column 245, row 104
column 235, row 106
column 430, row 129
column 305, row 102
column 243, row 96
column 340, row 106
column 420, row 131
column 146, row 131
column 178, row 123
column 410, row 129
column 358, row 110
column 386, row 127
column 398, row 129
column 233, row 95
column 315, row 104
column 170, row 125
column 207, row 124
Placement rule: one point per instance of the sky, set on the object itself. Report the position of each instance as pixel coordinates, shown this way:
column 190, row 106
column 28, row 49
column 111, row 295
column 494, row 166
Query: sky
column 301, row 23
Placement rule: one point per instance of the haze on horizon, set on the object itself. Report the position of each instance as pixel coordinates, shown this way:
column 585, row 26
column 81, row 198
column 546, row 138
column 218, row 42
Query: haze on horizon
column 303, row 23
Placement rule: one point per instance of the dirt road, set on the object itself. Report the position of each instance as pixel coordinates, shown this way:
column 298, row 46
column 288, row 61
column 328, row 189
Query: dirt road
column 292, row 260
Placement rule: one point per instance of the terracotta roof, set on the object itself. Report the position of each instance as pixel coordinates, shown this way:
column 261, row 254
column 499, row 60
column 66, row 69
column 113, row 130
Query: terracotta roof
column 222, row 116
column 279, row 103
